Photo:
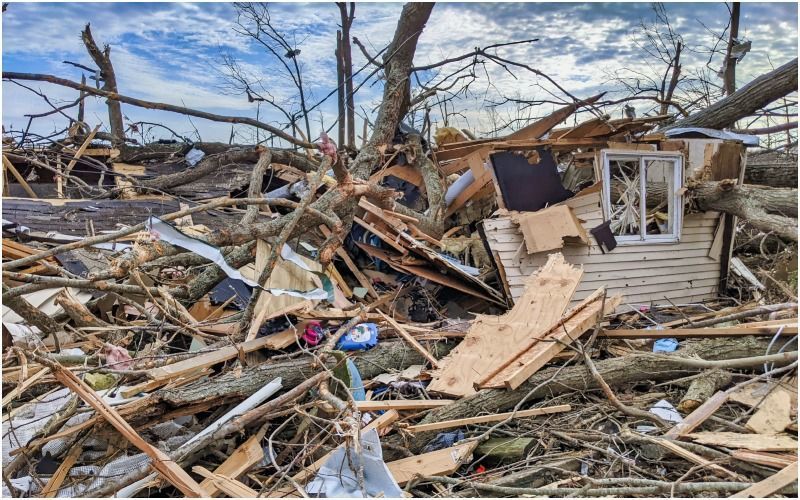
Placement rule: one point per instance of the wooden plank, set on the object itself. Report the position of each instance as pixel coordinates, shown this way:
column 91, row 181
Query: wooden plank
column 774, row 460
column 401, row 404
column 541, row 351
column 497, row 417
column 19, row 389
column 688, row 333
column 774, row 413
column 543, row 125
column 436, row 463
column 342, row 254
column 698, row 416
column 770, row 485
column 56, row 480
column 170, row 470
column 491, row 338
column 208, row 359
column 81, row 150
column 754, row 442
column 410, row 339
column 22, row 182
column 227, row 485
column 380, row 234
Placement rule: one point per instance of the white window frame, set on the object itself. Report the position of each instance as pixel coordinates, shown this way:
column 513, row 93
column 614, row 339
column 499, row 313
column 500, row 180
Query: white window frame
column 607, row 155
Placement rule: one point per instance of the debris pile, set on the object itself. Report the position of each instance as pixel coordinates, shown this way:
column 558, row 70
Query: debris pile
column 569, row 310
column 562, row 333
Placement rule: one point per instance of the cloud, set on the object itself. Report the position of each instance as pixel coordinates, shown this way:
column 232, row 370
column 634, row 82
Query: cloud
column 171, row 52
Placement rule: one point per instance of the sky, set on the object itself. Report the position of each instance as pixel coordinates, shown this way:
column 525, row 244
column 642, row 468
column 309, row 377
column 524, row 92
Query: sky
column 174, row 52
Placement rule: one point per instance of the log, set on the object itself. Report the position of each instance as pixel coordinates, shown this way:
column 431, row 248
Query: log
column 395, row 355
column 745, row 101
column 504, row 450
column 615, row 371
column 771, row 169
column 703, row 388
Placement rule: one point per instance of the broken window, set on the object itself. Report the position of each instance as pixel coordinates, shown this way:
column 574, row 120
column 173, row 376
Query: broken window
column 642, row 195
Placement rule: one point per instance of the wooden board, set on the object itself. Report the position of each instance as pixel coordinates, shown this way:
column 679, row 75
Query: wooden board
column 539, row 352
column 775, row 460
column 491, row 338
column 770, row 485
column 755, row 442
column 498, row 417
column 773, row 414
column 439, row 462
column 208, row 359
column 402, row 404
column 698, row 416
column 693, row 457
column 246, row 455
column 410, row 339
column 547, row 229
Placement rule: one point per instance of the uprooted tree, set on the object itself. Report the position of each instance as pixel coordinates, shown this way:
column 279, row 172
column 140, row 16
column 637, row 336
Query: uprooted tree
column 766, row 208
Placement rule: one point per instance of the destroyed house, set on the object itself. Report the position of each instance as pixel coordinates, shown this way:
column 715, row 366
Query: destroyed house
column 608, row 195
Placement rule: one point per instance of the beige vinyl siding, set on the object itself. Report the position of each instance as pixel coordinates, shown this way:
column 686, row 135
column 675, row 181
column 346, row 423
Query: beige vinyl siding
column 643, row 273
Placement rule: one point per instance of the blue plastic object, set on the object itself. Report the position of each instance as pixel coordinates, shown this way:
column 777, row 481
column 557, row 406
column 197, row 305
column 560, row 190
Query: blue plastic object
column 359, row 338
column 665, row 345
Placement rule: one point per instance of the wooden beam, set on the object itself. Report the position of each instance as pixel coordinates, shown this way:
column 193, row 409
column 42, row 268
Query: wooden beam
column 22, row 182
column 56, row 480
column 697, row 332
column 208, row 359
column 410, row 339
column 775, row 460
column 227, row 485
column 698, row 416
column 694, row 458
column 402, row 404
column 770, row 485
column 498, row 417
column 754, row 442
column 439, row 462
column 81, row 150
column 384, row 237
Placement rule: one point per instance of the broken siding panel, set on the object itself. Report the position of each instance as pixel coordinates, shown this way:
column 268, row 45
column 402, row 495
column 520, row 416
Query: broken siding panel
column 642, row 273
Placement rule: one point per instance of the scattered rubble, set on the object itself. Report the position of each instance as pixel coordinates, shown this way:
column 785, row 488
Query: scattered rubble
column 564, row 311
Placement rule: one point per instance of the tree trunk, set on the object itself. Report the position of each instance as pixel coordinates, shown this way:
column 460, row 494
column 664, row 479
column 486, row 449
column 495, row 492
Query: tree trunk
column 615, row 371
column 775, row 170
column 729, row 77
column 746, row 101
column 103, row 61
column 386, row 356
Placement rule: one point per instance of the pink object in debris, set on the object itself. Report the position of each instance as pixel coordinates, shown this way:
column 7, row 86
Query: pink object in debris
column 313, row 333
column 117, row 358
column 328, row 147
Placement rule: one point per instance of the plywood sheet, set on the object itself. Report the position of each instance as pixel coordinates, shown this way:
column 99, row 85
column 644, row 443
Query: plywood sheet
column 491, row 338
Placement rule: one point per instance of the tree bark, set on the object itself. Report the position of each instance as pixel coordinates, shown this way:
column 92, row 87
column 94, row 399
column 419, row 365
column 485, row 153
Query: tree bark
column 103, row 61
column 615, row 371
column 386, row 356
column 771, row 169
column 729, row 77
column 746, row 101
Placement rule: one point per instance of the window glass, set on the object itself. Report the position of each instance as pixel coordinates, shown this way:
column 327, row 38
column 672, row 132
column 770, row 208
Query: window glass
column 659, row 196
column 625, row 214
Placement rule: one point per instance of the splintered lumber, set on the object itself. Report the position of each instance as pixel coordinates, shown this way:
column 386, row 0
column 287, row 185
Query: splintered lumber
column 436, row 463
column 499, row 417
column 698, row 416
column 56, row 480
column 698, row 332
column 246, row 455
column 540, row 351
column 490, row 338
column 342, row 254
column 770, row 485
column 227, row 485
column 22, row 182
column 81, row 150
column 171, row 471
column 206, row 360
column 410, row 339
column 401, row 404
column 755, row 442
column 775, row 460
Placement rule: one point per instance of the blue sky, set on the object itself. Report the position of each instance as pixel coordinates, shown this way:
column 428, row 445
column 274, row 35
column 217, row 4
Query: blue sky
column 171, row 52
